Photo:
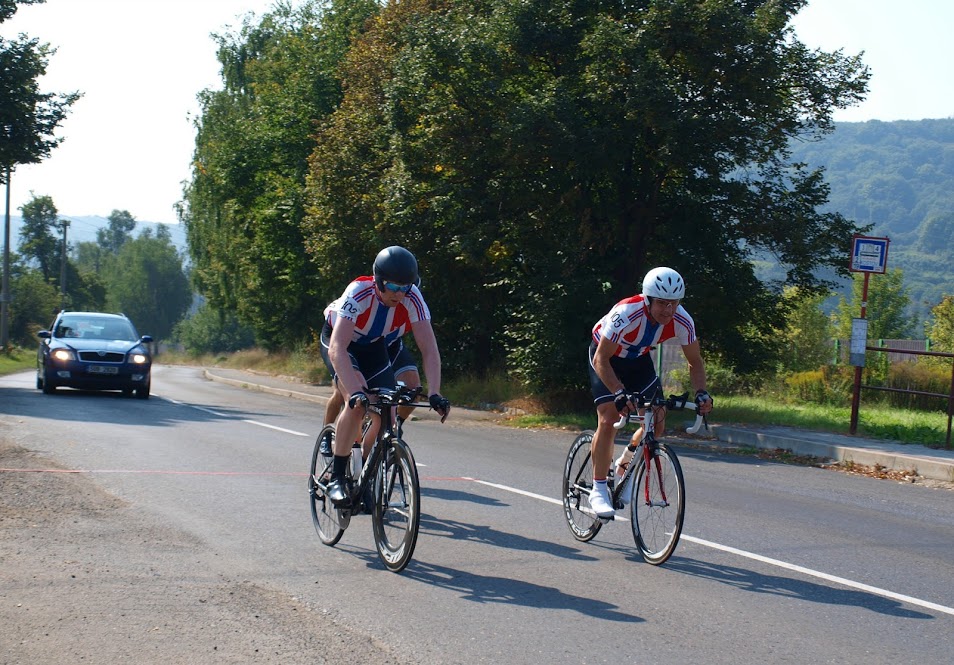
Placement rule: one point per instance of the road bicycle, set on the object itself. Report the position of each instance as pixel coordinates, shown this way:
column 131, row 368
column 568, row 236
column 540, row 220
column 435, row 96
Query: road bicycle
column 386, row 485
column 652, row 484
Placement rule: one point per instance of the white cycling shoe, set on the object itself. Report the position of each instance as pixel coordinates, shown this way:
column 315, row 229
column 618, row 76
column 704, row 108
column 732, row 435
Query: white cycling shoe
column 600, row 501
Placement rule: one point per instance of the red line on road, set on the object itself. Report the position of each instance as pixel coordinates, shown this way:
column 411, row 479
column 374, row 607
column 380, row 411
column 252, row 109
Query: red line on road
column 193, row 473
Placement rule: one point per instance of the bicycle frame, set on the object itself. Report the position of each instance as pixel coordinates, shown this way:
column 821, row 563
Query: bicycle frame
column 387, row 403
column 646, row 418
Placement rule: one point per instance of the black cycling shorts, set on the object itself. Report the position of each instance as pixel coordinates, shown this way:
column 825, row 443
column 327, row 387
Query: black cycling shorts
column 377, row 363
column 637, row 374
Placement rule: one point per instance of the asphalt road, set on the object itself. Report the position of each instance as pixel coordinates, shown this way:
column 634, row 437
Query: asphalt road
column 777, row 563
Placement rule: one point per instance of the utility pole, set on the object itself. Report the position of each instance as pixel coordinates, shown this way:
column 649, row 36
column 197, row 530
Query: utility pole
column 5, row 294
column 65, row 223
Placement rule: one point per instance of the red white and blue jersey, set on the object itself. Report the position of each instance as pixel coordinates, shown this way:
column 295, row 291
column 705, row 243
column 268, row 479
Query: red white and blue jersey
column 628, row 325
column 372, row 318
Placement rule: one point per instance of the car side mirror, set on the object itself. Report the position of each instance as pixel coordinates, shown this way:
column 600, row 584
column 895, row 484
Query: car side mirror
column 146, row 339
column 44, row 334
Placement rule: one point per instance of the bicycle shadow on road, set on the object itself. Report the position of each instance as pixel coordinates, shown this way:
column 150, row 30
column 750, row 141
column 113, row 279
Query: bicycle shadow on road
column 487, row 535
column 509, row 591
column 798, row 589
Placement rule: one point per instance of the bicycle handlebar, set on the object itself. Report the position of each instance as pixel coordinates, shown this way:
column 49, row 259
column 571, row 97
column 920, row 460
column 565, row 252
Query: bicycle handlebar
column 389, row 397
column 673, row 403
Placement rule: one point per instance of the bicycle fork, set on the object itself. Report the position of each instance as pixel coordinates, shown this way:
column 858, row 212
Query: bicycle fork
column 651, row 456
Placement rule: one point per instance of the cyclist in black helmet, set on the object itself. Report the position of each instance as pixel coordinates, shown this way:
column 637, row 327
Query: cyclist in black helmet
column 360, row 344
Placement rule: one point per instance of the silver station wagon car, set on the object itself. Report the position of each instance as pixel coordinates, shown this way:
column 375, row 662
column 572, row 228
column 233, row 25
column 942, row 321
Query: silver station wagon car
column 94, row 351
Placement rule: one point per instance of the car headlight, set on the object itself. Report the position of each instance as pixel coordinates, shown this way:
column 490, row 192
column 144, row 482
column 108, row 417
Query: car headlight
column 138, row 358
column 63, row 354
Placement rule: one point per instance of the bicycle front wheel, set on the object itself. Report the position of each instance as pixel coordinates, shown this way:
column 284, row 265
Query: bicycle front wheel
column 329, row 522
column 658, row 505
column 577, row 483
column 397, row 506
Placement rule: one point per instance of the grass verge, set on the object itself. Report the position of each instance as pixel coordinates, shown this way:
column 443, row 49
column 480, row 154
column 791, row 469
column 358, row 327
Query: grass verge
column 875, row 420
column 15, row 360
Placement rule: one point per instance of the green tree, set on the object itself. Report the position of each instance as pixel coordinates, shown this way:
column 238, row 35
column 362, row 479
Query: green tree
column 38, row 239
column 147, row 283
column 885, row 311
column 941, row 329
column 117, row 233
column 28, row 117
column 540, row 157
column 209, row 331
column 245, row 202
column 807, row 335
column 34, row 304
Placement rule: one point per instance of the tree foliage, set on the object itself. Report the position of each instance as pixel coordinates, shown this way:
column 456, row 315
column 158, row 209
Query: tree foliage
column 540, row 157
column 885, row 311
column 146, row 282
column 117, row 232
column 941, row 329
column 807, row 336
column 34, row 303
column 245, row 201
column 28, row 117
column 211, row 331
column 38, row 241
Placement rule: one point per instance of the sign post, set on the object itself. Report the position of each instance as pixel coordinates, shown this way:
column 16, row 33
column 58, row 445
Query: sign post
column 868, row 255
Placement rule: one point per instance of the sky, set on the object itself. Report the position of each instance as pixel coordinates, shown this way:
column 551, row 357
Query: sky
column 141, row 63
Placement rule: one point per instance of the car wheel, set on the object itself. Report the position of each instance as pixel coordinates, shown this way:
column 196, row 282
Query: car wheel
column 39, row 382
column 48, row 387
column 143, row 393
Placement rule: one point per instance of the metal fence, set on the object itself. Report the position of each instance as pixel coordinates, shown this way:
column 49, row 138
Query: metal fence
column 900, row 346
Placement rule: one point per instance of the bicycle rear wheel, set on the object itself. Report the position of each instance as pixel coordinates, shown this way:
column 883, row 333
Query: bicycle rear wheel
column 397, row 506
column 658, row 506
column 330, row 523
column 577, row 482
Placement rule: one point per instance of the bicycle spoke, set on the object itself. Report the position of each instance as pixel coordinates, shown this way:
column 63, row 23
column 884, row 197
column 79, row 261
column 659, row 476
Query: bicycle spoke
column 657, row 516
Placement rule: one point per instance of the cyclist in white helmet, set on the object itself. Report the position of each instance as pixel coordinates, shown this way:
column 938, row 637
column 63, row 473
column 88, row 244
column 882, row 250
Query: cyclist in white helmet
column 621, row 366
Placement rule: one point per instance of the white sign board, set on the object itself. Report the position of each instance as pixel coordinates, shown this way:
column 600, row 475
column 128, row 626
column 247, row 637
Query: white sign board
column 859, row 340
column 869, row 254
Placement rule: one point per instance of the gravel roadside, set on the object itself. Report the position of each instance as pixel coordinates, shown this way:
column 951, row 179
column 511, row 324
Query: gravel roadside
column 84, row 578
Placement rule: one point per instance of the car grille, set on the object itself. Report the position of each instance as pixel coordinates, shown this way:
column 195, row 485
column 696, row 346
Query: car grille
column 95, row 357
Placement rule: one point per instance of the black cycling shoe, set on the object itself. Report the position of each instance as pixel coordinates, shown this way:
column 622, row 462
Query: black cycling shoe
column 337, row 491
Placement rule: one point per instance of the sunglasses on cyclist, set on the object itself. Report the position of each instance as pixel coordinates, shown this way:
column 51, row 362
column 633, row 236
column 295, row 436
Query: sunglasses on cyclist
column 397, row 288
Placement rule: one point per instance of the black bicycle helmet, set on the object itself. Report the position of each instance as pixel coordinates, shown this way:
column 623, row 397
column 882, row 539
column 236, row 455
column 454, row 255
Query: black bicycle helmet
column 395, row 264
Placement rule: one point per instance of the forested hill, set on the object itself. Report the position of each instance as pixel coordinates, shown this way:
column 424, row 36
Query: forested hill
column 898, row 176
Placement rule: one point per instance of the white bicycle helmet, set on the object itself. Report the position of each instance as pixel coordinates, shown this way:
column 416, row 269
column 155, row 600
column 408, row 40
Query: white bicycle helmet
column 664, row 283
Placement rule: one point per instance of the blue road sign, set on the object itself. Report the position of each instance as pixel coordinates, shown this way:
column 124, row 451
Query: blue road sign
column 869, row 254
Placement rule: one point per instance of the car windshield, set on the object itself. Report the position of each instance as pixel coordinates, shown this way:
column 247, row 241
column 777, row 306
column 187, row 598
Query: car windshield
column 84, row 327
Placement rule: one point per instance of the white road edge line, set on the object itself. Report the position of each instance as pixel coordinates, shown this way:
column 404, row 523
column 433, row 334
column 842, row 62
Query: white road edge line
column 764, row 559
column 250, row 422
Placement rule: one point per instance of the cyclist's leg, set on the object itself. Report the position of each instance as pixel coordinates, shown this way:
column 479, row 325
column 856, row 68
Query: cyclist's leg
column 337, row 401
column 405, row 371
column 334, row 405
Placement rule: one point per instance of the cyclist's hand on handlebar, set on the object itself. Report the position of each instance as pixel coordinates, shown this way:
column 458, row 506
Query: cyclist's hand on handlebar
column 704, row 401
column 625, row 402
column 440, row 404
column 358, row 398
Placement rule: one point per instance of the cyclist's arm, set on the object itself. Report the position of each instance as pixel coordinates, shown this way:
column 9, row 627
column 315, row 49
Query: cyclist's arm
column 605, row 350
column 348, row 379
column 430, row 354
column 697, row 370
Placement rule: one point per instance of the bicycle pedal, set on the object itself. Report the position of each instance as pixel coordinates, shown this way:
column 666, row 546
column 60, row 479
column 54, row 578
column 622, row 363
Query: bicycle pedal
column 604, row 520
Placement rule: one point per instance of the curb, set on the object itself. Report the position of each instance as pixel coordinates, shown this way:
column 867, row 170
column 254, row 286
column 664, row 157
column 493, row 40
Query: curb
column 935, row 469
column 282, row 392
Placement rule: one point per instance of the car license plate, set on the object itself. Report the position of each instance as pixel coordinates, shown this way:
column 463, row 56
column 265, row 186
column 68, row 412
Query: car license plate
column 103, row 369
